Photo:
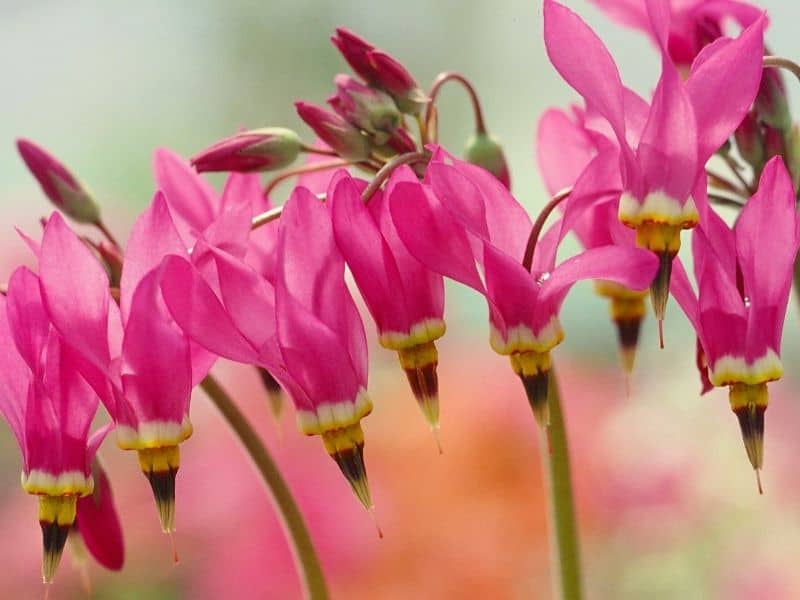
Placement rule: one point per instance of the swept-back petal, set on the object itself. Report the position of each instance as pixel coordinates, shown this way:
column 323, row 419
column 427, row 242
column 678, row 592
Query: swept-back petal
column 98, row 522
column 731, row 65
column 563, row 149
column 632, row 267
column 432, row 235
column 190, row 198
column 153, row 237
column 14, row 379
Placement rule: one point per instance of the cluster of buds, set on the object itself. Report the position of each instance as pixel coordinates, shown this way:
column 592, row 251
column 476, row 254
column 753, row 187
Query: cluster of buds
column 206, row 276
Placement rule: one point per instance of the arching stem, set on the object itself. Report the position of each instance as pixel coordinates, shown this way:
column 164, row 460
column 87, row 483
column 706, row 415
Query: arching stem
column 538, row 225
column 563, row 524
column 387, row 169
column 306, row 558
column 441, row 79
column 305, row 169
column 778, row 62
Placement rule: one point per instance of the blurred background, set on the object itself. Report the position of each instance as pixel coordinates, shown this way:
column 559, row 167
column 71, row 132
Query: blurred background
column 666, row 499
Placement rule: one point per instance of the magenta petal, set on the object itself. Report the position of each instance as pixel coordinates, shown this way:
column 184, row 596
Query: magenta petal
column 30, row 325
column 511, row 290
column 200, row 313
column 734, row 66
column 422, row 222
column 563, row 149
column 369, row 258
column 486, row 207
column 668, row 148
column 156, row 370
column 766, row 244
column 75, row 289
column 244, row 189
column 632, row 267
column 152, row 238
column 311, row 270
column 190, row 198
column 569, row 41
column 14, row 379
column 99, row 524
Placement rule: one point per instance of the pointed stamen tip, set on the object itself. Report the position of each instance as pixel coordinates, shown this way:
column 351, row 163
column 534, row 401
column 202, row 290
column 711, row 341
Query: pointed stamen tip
column 374, row 517
column 661, row 333
column 437, row 439
column 758, row 481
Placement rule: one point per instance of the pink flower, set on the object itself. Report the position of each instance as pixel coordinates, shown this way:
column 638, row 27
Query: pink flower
column 744, row 276
column 139, row 362
column 58, row 184
column 662, row 148
column 344, row 138
column 406, row 299
column 255, row 150
column 380, row 70
column 694, row 23
column 570, row 154
column 305, row 330
column 50, row 408
column 484, row 225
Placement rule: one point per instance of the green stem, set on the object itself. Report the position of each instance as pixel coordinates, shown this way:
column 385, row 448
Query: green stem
column 305, row 555
column 563, row 525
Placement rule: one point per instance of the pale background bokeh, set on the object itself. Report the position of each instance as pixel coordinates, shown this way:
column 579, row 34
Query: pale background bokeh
column 102, row 84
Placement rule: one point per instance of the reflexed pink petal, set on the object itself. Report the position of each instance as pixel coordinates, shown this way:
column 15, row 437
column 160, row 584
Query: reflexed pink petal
column 722, row 315
column 767, row 243
column 30, row 325
column 512, row 290
column 667, row 150
column 230, row 230
column 632, row 267
column 311, row 270
column 99, row 524
column 659, row 13
column 422, row 222
column 717, row 245
column 369, row 258
column 485, row 206
column 190, row 198
column 200, row 313
column 569, row 41
column 563, row 149
column 156, row 370
column 14, row 379
column 153, row 237
column 75, row 289
column 632, row 13
column 244, row 189
column 733, row 66
column 314, row 356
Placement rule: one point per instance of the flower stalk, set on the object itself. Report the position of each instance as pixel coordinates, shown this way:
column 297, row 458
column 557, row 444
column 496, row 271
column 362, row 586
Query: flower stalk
column 305, row 555
column 563, row 525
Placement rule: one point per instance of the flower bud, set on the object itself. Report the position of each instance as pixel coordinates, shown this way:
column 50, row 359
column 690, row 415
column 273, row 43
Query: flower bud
column 354, row 49
column 58, row 184
column 771, row 104
column 256, row 150
column 395, row 79
column 750, row 141
column 380, row 70
column 369, row 109
column 485, row 151
column 346, row 140
column 401, row 142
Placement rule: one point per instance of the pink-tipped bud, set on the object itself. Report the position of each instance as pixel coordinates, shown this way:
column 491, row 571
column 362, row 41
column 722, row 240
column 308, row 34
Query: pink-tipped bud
column 395, row 79
column 355, row 51
column 771, row 103
column 58, row 184
column 485, row 151
column 367, row 108
column 256, row 150
column 380, row 70
column 750, row 141
column 343, row 138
